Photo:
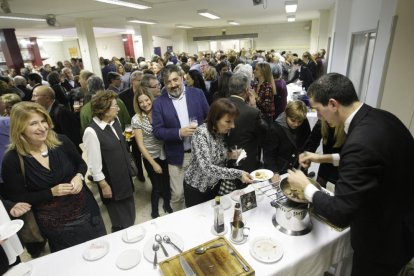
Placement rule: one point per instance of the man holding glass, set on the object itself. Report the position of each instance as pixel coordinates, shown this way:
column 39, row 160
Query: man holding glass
column 171, row 123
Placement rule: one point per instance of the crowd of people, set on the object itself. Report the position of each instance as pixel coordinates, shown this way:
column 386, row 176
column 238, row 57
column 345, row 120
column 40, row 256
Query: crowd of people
column 187, row 113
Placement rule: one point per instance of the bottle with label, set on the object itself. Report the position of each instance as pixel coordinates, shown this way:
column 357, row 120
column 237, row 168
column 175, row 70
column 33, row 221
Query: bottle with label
column 237, row 214
column 218, row 216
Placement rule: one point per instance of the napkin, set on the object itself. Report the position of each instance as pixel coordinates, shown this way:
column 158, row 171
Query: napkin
column 134, row 232
column 242, row 155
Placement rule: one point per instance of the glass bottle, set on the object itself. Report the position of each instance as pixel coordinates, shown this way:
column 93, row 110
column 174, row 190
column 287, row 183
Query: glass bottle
column 218, row 216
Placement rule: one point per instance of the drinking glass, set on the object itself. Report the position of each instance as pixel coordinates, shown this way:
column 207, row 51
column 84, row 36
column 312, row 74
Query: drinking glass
column 128, row 132
column 193, row 122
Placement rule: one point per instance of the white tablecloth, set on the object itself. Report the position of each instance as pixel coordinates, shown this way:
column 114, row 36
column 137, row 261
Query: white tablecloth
column 311, row 254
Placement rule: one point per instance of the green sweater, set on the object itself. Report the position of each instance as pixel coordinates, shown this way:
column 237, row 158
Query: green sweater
column 86, row 115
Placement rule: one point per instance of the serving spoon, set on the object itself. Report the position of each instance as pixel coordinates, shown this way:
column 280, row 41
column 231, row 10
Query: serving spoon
column 159, row 240
column 155, row 247
column 202, row 250
column 167, row 239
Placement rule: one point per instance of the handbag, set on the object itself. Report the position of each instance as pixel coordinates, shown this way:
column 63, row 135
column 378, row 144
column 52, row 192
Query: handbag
column 30, row 232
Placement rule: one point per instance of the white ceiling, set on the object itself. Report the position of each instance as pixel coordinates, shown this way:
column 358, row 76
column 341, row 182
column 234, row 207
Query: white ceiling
column 110, row 19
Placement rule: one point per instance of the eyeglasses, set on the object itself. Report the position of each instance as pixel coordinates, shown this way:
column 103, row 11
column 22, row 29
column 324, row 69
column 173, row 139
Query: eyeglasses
column 155, row 86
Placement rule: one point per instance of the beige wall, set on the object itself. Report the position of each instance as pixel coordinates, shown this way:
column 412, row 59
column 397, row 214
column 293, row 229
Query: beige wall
column 398, row 94
column 286, row 36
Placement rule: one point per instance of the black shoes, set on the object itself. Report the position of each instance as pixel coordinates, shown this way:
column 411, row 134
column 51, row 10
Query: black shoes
column 168, row 209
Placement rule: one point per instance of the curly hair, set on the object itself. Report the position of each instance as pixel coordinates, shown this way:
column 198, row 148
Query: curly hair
column 101, row 103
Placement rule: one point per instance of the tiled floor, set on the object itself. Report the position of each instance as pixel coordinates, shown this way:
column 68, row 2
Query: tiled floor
column 142, row 205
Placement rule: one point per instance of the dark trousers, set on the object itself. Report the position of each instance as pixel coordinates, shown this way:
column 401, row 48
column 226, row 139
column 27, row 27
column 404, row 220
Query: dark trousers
column 193, row 196
column 364, row 267
column 136, row 154
column 160, row 185
column 121, row 212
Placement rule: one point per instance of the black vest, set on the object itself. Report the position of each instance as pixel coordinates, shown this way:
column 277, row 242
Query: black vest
column 115, row 160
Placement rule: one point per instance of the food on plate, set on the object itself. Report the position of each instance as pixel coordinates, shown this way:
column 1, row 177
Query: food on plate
column 260, row 175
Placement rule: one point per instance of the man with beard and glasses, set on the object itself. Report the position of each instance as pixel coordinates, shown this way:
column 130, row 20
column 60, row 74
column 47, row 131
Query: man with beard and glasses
column 171, row 123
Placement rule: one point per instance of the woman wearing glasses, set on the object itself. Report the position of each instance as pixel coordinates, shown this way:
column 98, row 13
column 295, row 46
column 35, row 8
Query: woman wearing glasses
column 108, row 160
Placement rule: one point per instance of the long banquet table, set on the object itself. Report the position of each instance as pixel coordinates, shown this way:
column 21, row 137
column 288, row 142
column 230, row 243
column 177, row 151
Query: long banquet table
column 310, row 254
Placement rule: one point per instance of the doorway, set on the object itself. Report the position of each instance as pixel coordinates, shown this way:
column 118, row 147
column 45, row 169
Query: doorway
column 360, row 61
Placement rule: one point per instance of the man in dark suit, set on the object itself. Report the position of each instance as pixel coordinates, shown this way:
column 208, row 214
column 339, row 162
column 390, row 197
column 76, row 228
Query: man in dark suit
column 64, row 121
column 34, row 80
column 171, row 124
column 374, row 190
column 249, row 125
column 69, row 82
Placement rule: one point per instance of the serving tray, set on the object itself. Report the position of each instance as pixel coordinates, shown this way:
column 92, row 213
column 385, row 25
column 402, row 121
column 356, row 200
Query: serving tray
column 215, row 261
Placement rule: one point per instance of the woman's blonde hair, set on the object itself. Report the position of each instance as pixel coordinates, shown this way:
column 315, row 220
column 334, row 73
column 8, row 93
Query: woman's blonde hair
column 339, row 134
column 9, row 100
column 19, row 121
column 267, row 74
column 141, row 91
column 296, row 110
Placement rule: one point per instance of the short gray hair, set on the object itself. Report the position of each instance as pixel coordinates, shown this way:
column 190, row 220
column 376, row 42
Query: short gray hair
column 145, row 82
column 95, row 84
column 238, row 84
column 19, row 80
column 135, row 75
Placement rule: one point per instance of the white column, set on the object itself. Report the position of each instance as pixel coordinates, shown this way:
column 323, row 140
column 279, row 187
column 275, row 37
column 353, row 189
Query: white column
column 323, row 29
column 314, row 36
column 87, row 45
column 180, row 41
column 340, row 38
column 147, row 45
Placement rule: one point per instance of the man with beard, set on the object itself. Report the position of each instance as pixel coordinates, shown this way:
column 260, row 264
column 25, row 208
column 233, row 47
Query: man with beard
column 171, row 123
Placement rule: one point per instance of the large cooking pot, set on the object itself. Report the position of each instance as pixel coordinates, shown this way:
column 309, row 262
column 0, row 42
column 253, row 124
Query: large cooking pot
column 291, row 218
column 296, row 195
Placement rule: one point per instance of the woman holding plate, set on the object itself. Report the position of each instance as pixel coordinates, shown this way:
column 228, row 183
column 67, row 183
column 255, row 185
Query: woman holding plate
column 209, row 155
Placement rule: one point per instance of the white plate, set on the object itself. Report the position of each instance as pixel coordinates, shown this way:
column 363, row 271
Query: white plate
column 133, row 234
column 235, row 195
column 22, row 269
column 224, row 201
column 149, row 253
column 266, row 175
column 128, row 259
column 266, row 249
column 10, row 228
column 96, row 250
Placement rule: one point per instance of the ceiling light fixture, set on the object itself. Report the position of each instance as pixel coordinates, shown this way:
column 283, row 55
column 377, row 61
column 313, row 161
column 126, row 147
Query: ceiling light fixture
column 291, row 18
column 182, row 26
column 207, row 14
column 232, row 22
column 291, row 6
column 25, row 17
column 127, row 3
column 140, row 21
